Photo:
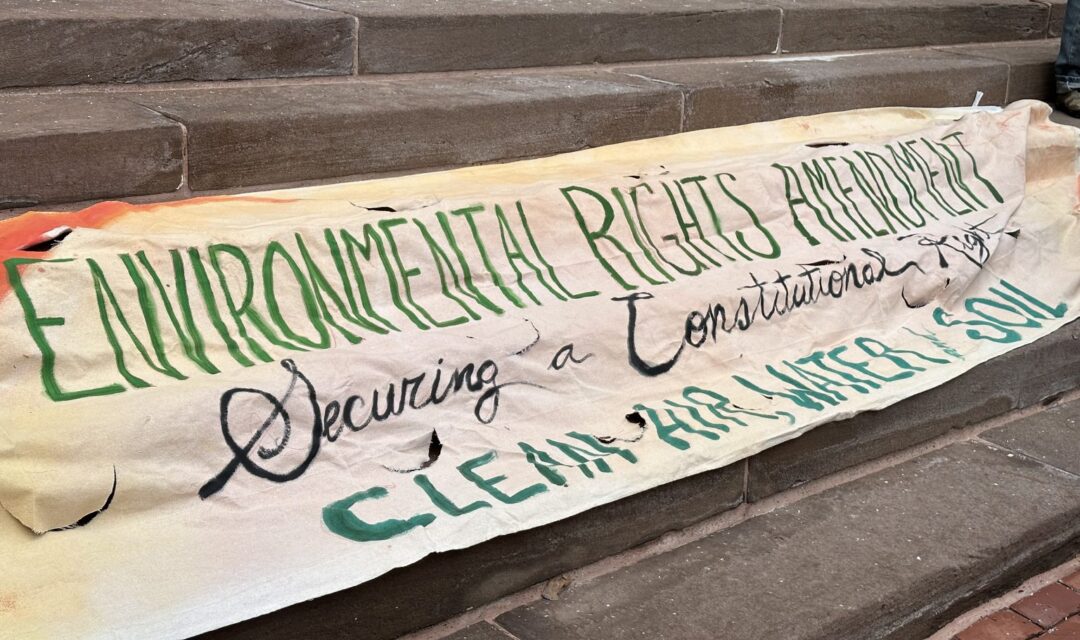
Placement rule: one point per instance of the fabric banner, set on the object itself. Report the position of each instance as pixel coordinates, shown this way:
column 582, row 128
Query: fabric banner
column 219, row 407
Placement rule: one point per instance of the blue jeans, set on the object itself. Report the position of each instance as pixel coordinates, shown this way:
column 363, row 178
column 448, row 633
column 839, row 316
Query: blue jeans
column 1067, row 67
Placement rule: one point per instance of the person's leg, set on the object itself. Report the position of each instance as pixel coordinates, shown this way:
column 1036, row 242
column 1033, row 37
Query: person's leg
column 1067, row 67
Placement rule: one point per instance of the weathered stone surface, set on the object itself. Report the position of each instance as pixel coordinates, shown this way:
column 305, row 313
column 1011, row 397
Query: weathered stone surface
column 1057, row 16
column 479, row 631
column 260, row 135
column 418, row 35
column 247, row 136
column 1052, row 436
column 1031, row 65
column 837, row 25
column 446, row 584
column 721, row 93
column 44, row 42
column 890, row 556
column 61, row 148
column 1020, row 378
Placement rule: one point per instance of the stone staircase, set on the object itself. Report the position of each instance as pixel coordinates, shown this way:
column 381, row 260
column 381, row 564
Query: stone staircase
column 130, row 98
column 107, row 99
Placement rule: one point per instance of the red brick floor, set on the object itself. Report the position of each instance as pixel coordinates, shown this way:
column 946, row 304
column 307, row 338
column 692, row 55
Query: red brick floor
column 1051, row 613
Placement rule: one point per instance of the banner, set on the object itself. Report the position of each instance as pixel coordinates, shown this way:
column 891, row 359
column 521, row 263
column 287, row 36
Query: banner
column 219, row 407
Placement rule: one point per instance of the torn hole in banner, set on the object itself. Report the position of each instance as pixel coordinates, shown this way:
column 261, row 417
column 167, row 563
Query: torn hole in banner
column 635, row 418
column 435, row 448
column 398, row 206
column 818, row 145
column 85, row 520
column 46, row 503
column 48, row 240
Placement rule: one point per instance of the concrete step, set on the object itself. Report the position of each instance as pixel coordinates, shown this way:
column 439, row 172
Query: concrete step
column 893, row 555
column 447, row 584
column 44, row 42
column 255, row 134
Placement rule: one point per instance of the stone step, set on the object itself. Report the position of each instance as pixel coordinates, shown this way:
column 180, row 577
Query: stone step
column 258, row 134
column 893, row 555
column 45, row 42
column 1031, row 65
column 443, row 585
column 68, row 148
column 414, row 35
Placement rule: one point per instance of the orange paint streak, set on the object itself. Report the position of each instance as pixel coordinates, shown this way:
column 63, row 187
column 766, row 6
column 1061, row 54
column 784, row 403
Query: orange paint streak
column 30, row 228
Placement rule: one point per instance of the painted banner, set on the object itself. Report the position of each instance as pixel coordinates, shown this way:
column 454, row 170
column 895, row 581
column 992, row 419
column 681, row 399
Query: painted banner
column 216, row 408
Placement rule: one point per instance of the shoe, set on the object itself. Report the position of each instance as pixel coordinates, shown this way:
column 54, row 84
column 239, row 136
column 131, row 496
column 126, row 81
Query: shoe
column 1070, row 102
